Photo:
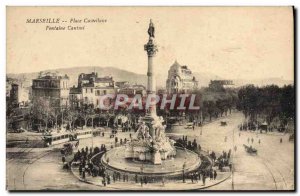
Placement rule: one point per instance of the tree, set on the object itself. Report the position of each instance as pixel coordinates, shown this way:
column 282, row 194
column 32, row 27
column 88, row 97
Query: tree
column 42, row 111
column 86, row 112
column 269, row 102
column 71, row 115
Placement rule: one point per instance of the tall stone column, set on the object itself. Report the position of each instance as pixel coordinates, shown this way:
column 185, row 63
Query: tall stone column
column 151, row 49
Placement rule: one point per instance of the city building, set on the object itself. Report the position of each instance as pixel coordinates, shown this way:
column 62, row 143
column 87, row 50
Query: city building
column 180, row 79
column 52, row 87
column 75, row 97
column 93, row 87
column 18, row 94
column 132, row 90
column 122, row 84
column 220, row 84
column 84, row 78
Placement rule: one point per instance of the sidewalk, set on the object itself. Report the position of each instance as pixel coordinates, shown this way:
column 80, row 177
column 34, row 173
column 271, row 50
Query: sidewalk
column 168, row 185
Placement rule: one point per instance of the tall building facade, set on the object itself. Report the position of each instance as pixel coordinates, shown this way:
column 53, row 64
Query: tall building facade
column 180, row 79
column 51, row 87
column 221, row 84
column 19, row 95
column 93, row 87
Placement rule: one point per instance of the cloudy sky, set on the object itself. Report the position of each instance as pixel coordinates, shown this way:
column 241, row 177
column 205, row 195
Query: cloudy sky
column 234, row 42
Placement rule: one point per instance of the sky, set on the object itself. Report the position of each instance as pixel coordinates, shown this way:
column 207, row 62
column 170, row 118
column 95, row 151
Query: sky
column 231, row 42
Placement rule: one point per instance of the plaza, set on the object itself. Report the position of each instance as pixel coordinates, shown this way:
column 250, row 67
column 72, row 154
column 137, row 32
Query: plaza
column 271, row 169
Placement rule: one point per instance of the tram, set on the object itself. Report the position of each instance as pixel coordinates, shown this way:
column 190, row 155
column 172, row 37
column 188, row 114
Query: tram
column 59, row 138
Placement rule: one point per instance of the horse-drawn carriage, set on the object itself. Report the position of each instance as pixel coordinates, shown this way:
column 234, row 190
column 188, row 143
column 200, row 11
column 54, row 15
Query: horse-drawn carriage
column 223, row 123
column 250, row 149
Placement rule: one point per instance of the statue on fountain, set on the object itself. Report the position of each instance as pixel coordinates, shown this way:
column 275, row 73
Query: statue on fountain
column 150, row 143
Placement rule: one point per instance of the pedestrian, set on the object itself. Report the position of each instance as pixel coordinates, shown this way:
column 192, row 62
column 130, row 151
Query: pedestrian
column 63, row 159
column 230, row 166
column 108, row 179
column 104, row 182
column 259, row 141
column 252, row 140
column 114, row 177
column 195, row 177
column 83, row 173
column 211, row 175
column 199, row 175
column 280, row 140
column 203, row 179
column 80, row 169
column 215, row 174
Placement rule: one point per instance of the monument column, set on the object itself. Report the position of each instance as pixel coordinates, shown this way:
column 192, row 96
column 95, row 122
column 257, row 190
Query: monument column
column 151, row 49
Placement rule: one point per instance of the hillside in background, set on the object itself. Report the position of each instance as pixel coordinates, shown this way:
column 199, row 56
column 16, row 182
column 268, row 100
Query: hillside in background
column 122, row 75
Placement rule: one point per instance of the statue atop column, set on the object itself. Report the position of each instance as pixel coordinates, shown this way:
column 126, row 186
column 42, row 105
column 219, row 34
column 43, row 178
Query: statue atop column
column 151, row 29
column 151, row 47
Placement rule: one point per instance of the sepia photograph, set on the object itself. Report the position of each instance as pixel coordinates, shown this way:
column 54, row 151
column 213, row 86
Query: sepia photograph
column 150, row 98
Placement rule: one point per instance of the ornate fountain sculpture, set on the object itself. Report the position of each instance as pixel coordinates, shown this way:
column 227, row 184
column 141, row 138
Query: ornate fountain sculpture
column 150, row 142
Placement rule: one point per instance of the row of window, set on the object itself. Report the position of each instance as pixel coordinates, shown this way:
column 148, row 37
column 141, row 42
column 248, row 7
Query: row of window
column 98, row 92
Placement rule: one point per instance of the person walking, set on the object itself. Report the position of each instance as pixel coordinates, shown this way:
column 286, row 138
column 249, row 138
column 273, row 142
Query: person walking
column 215, row 174
column 203, row 179
column 114, row 177
column 141, row 181
column 211, row 175
column 83, row 173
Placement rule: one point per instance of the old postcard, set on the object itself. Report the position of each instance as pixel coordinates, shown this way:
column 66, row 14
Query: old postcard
column 150, row 99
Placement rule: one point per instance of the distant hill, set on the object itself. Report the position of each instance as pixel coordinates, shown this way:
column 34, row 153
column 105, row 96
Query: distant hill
column 122, row 75
column 118, row 74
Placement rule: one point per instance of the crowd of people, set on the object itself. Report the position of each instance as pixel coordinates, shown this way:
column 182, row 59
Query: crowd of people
column 190, row 145
column 92, row 167
column 202, row 175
